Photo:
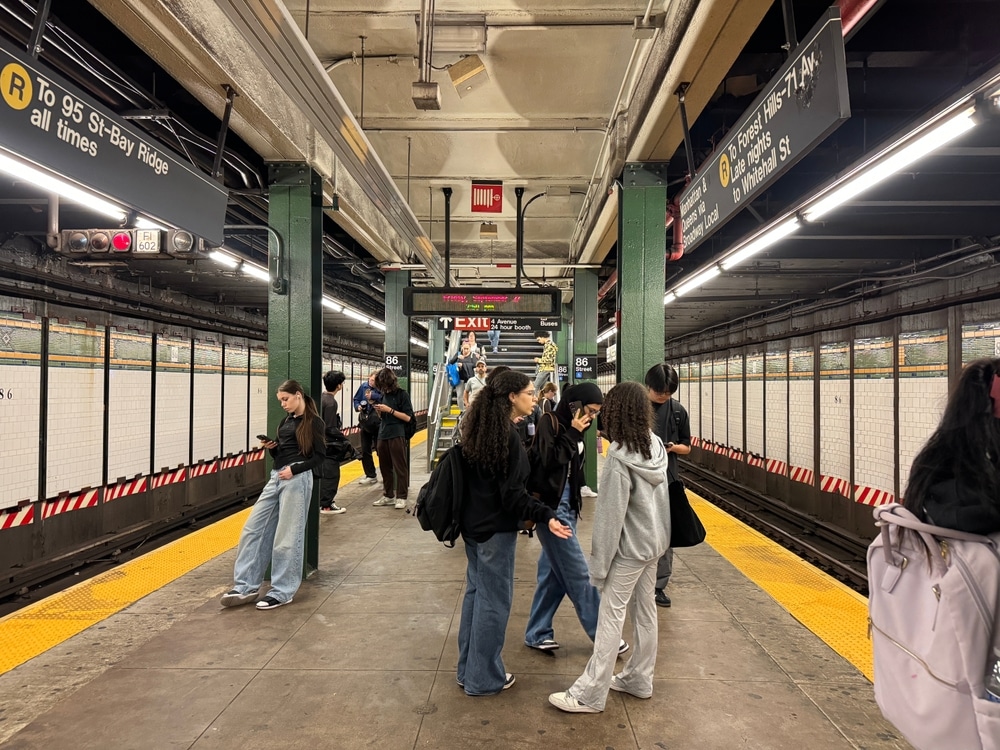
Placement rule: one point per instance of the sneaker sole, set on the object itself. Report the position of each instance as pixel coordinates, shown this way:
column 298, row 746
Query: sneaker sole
column 543, row 647
column 274, row 606
column 238, row 599
column 618, row 689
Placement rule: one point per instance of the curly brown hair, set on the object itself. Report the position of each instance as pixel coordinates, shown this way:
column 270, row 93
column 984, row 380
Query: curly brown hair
column 627, row 418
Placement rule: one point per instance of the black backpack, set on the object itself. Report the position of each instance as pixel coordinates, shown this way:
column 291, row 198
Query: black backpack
column 439, row 502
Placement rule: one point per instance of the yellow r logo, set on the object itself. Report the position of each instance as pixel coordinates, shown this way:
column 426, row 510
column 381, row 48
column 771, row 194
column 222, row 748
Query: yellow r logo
column 724, row 170
column 15, row 86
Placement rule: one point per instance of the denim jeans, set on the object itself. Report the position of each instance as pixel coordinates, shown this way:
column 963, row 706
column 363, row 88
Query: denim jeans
column 494, row 336
column 275, row 532
column 628, row 588
column 489, row 591
column 562, row 571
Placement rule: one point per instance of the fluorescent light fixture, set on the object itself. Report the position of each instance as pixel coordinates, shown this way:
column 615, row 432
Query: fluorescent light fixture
column 696, row 281
column 224, row 258
column 668, row 298
column 418, row 342
column 931, row 140
column 355, row 314
column 335, row 306
column 376, row 324
column 51, row 184
column 759, row 243
column 255, row 271
column 606, row 334
column 143, row 223
column 458, row 32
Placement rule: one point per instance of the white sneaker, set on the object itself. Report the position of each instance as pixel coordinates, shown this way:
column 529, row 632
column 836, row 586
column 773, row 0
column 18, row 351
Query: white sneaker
column 585, row 491
column 400, row 503
column 384, row 501
column 368, row 480
column 565, row 702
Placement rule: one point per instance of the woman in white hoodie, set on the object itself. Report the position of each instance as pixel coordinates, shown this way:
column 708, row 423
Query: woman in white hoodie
column 631, row 532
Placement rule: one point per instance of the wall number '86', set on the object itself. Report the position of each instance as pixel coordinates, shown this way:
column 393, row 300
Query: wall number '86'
column 391, row 360
column 582, row 361
column 6, row 394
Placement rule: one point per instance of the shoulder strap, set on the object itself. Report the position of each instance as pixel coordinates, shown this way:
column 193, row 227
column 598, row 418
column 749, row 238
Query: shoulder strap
column 895, row 514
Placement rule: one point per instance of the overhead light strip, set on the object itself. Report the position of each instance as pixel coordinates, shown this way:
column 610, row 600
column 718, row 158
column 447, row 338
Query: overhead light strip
column 50, row 184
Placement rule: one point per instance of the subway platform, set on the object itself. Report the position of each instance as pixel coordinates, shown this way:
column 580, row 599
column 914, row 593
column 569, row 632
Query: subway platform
column 144, row 657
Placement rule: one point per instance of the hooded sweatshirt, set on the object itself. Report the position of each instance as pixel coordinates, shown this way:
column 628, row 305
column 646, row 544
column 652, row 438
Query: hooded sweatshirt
column 632, row 516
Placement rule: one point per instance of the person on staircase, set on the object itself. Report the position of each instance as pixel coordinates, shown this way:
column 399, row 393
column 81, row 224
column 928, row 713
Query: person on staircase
column 466, row 361
column 547, row 362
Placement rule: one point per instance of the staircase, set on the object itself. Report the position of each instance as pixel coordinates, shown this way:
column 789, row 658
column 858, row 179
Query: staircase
column 517, row 351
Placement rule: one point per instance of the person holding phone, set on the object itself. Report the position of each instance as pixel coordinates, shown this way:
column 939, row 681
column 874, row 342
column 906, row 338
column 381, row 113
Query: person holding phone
column 275, row 530
column 556, row 477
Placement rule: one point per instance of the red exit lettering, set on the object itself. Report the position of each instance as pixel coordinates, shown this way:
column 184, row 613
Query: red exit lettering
column 472, row 324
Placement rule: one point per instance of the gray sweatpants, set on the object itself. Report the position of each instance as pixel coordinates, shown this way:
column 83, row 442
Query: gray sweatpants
column 629, row 586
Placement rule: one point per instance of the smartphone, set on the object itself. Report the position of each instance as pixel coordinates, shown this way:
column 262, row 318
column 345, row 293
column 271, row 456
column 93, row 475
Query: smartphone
column 264, row 438
column 576, row 408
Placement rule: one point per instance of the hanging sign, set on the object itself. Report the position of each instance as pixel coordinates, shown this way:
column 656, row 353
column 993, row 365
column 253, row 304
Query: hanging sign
column 514, row 325
column 487, row 197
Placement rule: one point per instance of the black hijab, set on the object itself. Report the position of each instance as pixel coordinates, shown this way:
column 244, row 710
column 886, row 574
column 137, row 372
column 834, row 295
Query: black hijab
column 585, row 393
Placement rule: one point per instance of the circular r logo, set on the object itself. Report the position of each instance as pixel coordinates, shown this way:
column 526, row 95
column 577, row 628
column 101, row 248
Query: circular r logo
column 15, row 86
column 724, row 170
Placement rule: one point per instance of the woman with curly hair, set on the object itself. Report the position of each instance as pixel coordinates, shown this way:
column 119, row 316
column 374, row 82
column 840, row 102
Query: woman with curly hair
column 631, row 532
column 495, row 504
column 275, row 530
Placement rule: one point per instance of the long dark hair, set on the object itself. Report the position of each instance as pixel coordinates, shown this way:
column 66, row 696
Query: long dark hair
column 965, row 445
column 627, row 418
column 386, row 380
column 304, row 432
column 486, row 425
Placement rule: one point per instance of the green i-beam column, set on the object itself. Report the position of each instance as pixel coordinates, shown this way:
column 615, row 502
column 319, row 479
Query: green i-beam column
column 397, row 331
column 295, row 303
column 642, row 247
column 583, row 358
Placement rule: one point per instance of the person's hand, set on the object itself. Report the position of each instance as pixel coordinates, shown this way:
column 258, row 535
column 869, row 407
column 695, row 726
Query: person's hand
column 384, row 408
column 581, row 423
column 518, row 419
column 269, row 444
column 537, row 359
column 670, row 447
column 285, row 473
column 559, row 530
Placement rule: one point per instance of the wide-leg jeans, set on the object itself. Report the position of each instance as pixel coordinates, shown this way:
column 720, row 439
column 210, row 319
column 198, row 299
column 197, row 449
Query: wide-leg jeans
column 489, row 592
column 628, row 588
column 275, row 532
column 562, row 571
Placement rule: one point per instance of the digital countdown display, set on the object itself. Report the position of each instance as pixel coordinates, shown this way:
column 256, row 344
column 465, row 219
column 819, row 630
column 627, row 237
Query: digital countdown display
column 531, row 303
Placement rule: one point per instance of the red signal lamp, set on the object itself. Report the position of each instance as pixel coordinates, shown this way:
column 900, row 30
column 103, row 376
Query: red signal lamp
column 121, row 241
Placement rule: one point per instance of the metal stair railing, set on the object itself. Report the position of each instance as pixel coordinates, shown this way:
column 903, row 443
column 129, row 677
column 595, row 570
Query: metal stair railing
column 439, row 406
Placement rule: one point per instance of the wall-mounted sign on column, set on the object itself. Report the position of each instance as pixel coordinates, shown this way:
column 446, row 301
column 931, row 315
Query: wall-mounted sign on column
column 487, row 197
column 585, row 366
column 398, row 364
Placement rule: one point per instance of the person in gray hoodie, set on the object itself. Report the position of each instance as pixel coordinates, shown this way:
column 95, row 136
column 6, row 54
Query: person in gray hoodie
column 631, row 532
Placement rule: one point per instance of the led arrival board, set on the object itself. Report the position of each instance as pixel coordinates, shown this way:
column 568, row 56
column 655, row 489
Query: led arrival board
column 481, row 301
column 804, row 102
column 50, row 123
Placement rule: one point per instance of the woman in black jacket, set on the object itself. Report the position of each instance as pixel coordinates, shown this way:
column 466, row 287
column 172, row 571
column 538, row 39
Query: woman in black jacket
column 282, row 507
column 495, row 503
column 393, row 439
column 556, row 478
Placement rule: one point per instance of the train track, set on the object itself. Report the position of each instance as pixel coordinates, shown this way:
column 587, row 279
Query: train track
column 840, row 554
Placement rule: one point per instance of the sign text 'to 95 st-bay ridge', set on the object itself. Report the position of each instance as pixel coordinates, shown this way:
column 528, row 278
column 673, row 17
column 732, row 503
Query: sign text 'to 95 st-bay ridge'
column 798, row 108
column 49, row 122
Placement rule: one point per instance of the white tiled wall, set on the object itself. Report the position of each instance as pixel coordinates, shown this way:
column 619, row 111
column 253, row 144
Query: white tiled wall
column 800, row 423
column 921, row 404
column 19, row 426
column 207, row 426
column 234, row 432
column 755, row 416
column 75, row 447
column 776, row 389
column 129, row 407
column 735, row 410
column 173, row 402
column 720, row 411
column 834, row 428
column 874, row 444
column 258, row 408
column 692, row 401
column 707, row 402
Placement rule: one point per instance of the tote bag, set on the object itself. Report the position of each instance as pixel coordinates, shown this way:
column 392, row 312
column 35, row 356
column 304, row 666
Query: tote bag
column 686, row 529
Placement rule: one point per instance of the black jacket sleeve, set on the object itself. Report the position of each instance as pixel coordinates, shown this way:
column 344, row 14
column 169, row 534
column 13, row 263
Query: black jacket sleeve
column 513, row 493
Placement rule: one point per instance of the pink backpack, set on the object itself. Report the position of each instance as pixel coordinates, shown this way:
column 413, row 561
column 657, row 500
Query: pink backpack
column 934, row 599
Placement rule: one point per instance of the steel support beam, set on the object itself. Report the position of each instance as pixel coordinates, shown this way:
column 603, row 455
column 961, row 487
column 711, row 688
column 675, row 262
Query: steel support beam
column 585, row 347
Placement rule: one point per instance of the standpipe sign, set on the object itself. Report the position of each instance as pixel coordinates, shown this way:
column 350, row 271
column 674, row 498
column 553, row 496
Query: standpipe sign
column 800, row 106
column 50, row 123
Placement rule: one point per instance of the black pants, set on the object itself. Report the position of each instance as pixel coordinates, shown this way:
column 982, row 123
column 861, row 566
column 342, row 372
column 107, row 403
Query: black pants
column 367, row 445
column 329, row 483
column 395, row 469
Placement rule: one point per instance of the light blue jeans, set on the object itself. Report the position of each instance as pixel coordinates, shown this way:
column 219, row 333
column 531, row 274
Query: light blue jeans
column 562, row 571
column 494, row 336
column 489, row 591
column 275, row 532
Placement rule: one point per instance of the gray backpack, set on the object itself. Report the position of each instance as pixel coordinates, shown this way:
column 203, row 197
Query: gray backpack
column 934, row 601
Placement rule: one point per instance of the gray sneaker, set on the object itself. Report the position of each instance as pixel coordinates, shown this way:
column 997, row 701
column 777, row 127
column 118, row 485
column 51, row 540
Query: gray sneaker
column 384, row 502
column 619, row 687
column 368, row 480
column 234, row 598
column 400, row 503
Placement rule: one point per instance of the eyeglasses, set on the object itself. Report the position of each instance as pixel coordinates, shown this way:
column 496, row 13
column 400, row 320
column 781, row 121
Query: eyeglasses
column 527, row 392
column 591, row 411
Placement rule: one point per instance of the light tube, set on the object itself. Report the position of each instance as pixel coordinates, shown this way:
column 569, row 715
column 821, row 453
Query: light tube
column 225, row 259
column 356, row 315
column 688, row 286
column 376, row 324
column 418, row 342
column 255, row 271
column 606, row 335
column 143, row 223
column 335, row 306
column 762, row 242
column 668, row 298
column 930, row 141
column 51, row 184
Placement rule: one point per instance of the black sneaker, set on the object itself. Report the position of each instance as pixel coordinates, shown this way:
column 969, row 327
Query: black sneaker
column 662, row 600
column 332, row 510
column 269, row 602
column 234, row 598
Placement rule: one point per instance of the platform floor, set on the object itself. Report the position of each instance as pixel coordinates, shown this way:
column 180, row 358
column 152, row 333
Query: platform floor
column 365, row 658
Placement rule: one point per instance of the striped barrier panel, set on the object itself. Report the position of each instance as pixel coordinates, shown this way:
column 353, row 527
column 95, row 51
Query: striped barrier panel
column 834, row 484
column 802, row 475
column 124, row 489
column 872, row 496
column 257, row 455
column 204, row 469
column 231, row 462
column 755, row 460
column 174, row 476
column 777, row 467
column 67, row 503
column 17, row 517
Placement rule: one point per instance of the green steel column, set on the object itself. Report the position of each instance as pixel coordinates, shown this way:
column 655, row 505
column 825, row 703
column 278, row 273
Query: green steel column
column 295, row 303
column 565, row 343
column 583, row 364
column 397, row 330
column 642, row 247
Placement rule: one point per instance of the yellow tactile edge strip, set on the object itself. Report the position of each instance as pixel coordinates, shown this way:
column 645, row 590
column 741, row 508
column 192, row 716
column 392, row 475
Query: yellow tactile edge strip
column 38, row 627
column 835, row 613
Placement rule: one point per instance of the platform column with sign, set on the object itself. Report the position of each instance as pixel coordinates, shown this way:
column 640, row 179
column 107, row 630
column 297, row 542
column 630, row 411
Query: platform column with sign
column 583, row 365
column 295, row 318
column 642, row 247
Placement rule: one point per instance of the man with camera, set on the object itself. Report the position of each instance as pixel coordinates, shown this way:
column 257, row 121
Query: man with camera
column 365, row 399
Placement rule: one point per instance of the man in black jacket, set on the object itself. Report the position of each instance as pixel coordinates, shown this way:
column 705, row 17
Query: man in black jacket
column 333, row 382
